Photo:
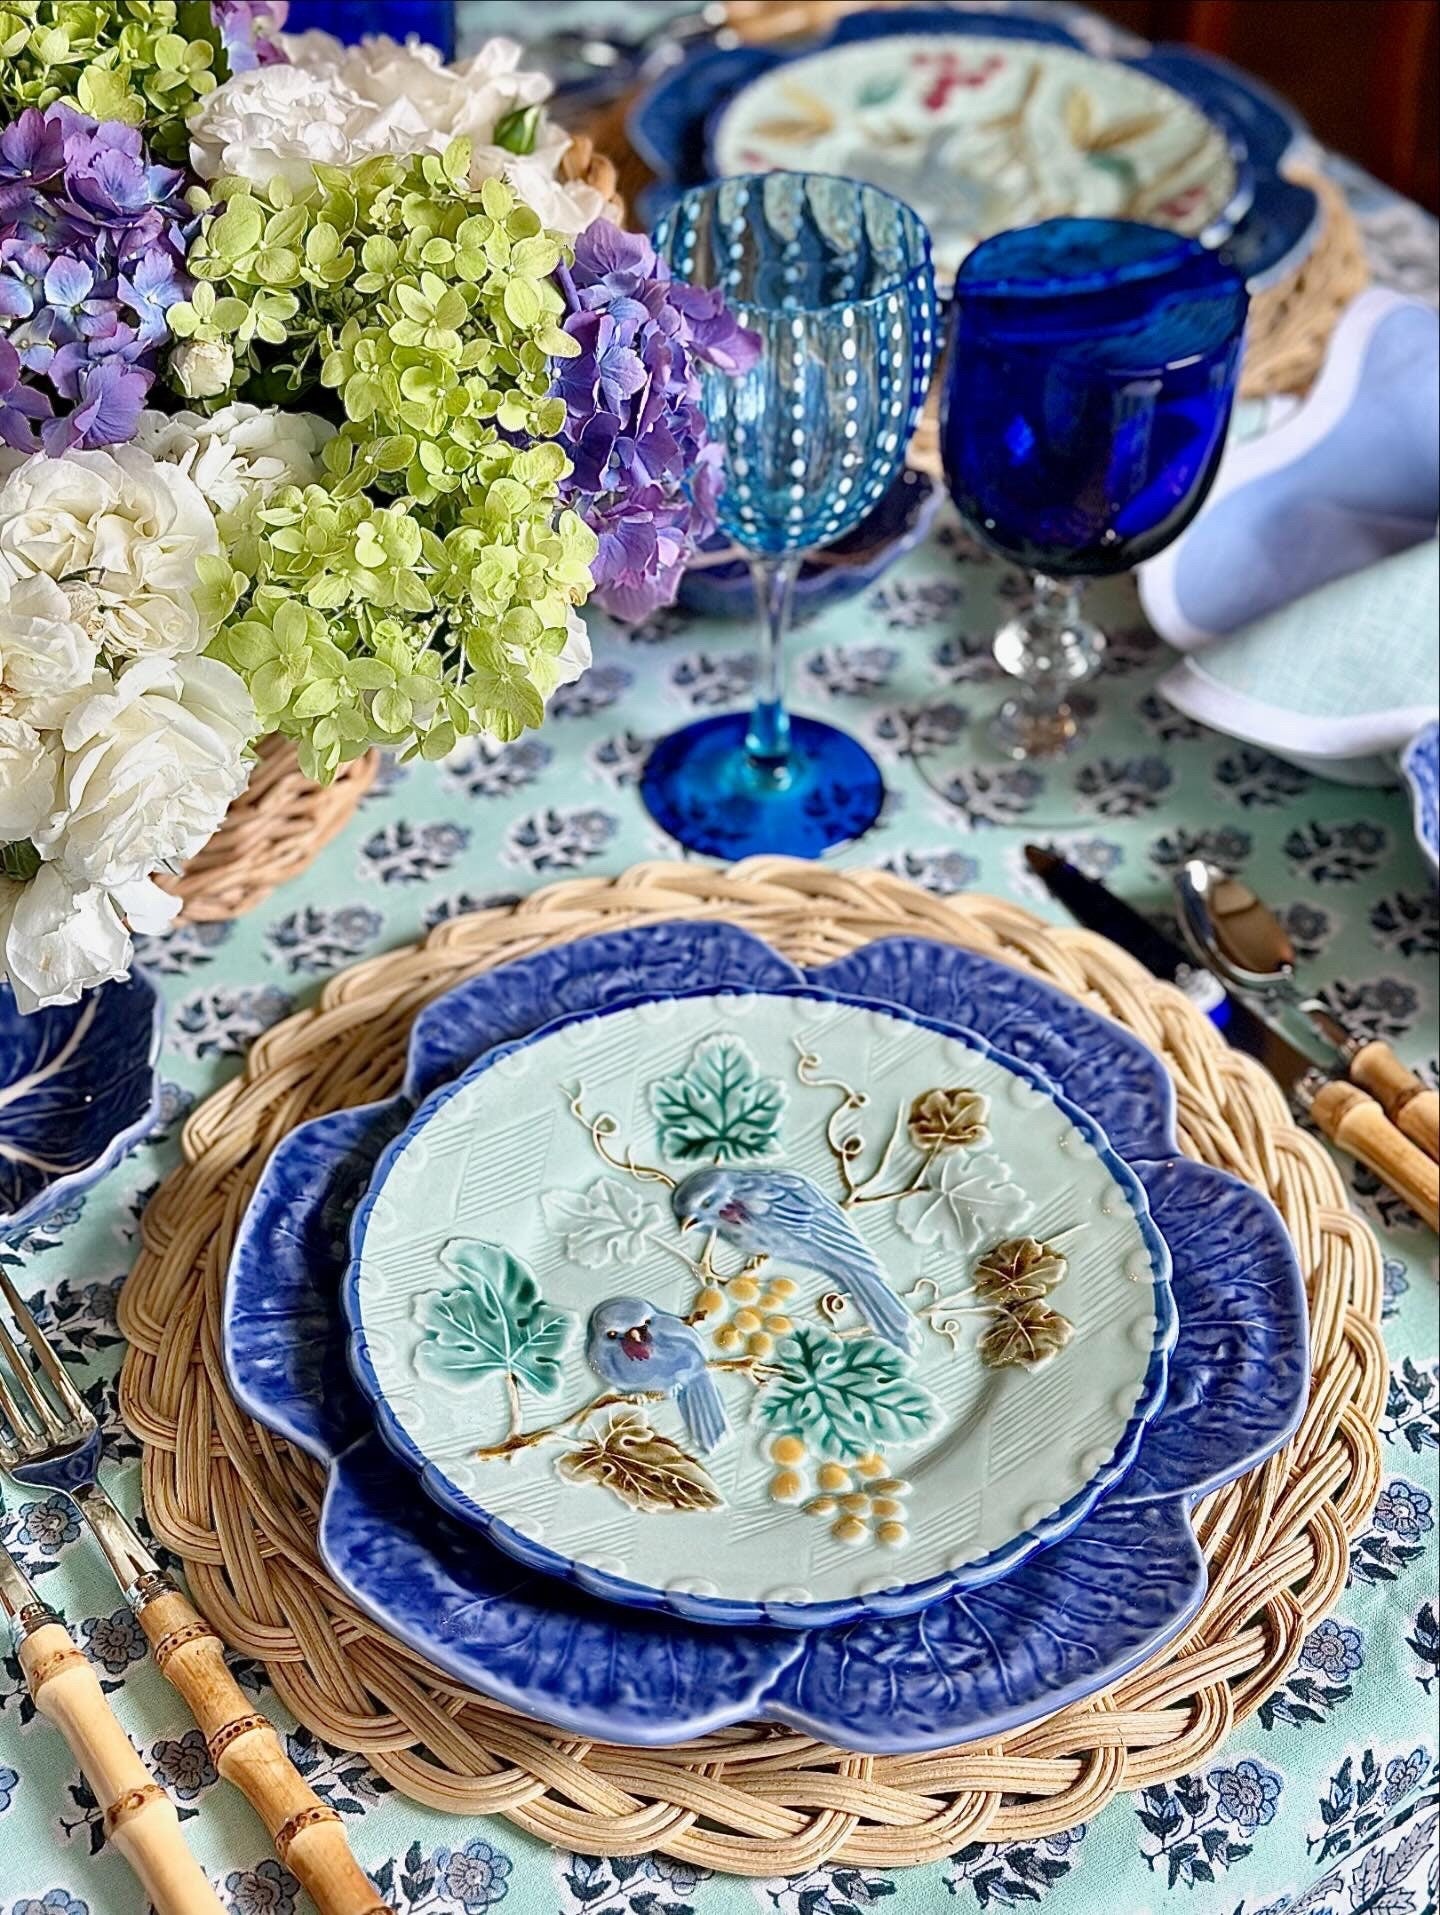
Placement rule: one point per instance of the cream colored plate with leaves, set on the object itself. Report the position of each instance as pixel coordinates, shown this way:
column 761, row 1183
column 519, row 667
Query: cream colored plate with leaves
column 980, row 135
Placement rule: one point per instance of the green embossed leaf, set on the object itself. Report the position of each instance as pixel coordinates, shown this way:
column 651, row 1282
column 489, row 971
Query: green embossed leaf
column 845, row 1396
column 641, row 1467
column 1025, row 1337
column 611, row 1222
column 719, row 1107
column 493, row 1322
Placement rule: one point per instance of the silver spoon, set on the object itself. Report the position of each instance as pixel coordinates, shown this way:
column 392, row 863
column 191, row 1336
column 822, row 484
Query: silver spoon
column 1241, row 940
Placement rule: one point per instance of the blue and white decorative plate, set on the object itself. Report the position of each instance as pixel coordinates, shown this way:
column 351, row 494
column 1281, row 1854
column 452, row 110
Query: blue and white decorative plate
column 77, row 1090
column 1420, row 768
column 1064, row 1625
column 695, row 121
column 760, row 1306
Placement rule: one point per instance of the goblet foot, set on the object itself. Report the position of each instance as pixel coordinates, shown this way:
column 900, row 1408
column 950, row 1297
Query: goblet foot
column 703, row 787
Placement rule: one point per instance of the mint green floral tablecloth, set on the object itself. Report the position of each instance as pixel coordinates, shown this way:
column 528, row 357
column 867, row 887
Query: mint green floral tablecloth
column 1327, row 1800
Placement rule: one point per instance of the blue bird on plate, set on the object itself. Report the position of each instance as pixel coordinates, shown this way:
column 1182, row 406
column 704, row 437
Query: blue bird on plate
column 780, row 1214
column 637, row 1348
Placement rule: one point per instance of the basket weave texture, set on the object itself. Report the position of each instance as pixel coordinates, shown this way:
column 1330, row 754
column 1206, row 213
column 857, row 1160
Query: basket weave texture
column 240, row 1506
column 281, row 822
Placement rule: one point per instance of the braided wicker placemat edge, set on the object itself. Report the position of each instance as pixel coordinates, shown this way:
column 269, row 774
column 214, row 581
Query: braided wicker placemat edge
column 239, row 1505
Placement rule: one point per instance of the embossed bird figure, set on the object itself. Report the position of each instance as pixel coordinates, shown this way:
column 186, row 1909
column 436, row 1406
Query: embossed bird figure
column 635, row 1347
column 780, row 1214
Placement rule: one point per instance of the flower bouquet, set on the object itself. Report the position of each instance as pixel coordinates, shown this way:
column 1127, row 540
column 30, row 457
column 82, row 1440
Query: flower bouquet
column 327, row 400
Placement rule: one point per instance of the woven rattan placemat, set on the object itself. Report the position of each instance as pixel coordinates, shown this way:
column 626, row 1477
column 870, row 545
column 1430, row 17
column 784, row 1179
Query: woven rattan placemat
column 240, row 1506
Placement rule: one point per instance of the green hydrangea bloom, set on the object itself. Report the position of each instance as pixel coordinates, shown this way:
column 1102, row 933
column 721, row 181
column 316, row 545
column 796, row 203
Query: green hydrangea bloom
column 145, row 62
column 422, row 591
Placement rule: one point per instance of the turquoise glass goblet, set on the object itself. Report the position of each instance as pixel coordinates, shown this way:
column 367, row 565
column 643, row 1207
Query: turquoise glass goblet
column 835, row 277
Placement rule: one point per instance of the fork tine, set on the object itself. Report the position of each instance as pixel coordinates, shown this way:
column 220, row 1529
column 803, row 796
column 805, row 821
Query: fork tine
column 74, row 1404
column 50, row 1424
column 13, row 1439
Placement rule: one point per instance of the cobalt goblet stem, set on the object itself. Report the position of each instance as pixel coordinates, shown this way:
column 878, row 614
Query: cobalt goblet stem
column 768, row 739
column 1050, row 649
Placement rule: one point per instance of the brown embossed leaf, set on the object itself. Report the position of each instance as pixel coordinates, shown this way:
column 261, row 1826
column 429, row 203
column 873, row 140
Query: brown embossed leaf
column 1018, row 1271
column 1025, row 1337
column 949, row 1119
column 641, row 1467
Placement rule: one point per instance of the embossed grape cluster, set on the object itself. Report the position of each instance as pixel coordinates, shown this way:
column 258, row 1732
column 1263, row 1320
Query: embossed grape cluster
column 758, row 1313
column 863, row 1500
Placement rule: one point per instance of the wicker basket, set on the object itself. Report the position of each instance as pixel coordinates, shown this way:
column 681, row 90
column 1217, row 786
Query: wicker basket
column 281, row 822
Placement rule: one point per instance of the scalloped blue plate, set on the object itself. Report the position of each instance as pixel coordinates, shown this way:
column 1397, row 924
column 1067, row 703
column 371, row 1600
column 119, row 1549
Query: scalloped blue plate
column 670, row 124
column 1065, row 1625
column 79, row 1090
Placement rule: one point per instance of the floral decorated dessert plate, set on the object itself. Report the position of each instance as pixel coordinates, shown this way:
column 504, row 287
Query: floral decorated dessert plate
column 986, row 134
column 672, row 125
column 759, row 1306
column 1065, row 1624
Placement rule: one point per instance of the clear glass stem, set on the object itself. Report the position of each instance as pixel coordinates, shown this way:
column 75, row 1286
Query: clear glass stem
column 768, row 739
column 1049, row 649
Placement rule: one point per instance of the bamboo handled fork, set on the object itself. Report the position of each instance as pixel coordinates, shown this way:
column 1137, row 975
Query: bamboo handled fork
column 139, row 1816
column 50, row 1440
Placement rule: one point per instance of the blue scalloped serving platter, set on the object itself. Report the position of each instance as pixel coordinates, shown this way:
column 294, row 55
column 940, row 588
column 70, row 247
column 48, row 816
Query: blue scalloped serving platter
column 1420, row 768
column 670, row 124
column 80, row 1089
column 1065, row 1625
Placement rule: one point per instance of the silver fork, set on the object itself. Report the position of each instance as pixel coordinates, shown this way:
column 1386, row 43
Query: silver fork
column 49, row 1439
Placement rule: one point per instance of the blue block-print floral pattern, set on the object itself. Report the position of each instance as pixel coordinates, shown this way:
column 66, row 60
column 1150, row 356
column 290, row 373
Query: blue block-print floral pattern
column 1314, row 1806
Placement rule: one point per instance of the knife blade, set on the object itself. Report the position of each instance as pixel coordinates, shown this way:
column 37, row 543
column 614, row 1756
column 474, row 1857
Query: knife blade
column 1351, row 1119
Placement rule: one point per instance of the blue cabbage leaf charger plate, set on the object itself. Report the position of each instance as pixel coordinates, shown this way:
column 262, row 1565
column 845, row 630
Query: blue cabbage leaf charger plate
column 77, row 1090
column 1066, row 1623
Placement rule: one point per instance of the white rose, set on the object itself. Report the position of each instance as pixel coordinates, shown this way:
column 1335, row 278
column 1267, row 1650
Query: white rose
column 239, row 455
column 202, row 368
column 46, row 655
column 29, row 780
column 59, row 941
column 151, row 760
column 280, row 122
column 127, row 533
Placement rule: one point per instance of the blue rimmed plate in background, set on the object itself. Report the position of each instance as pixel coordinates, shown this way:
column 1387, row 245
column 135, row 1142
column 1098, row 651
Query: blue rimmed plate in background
column 78, row 1089
column 1420, row 768
column 1269, row 222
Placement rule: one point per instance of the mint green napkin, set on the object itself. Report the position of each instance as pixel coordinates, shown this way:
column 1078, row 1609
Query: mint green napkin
column 1337, row 680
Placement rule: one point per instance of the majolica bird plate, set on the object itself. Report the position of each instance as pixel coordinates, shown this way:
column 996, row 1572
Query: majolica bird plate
column 759, row 1306
column 1063, row 1625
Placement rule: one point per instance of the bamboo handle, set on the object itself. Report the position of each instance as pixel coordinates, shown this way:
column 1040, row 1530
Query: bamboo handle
column 1408, row 1101
column 308, row 1836
column 1358, row 1125
column 140, row 1818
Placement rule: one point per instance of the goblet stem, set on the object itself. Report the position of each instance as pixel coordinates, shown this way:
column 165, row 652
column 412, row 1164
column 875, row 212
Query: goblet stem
column 768, row 739
column 1049, row 649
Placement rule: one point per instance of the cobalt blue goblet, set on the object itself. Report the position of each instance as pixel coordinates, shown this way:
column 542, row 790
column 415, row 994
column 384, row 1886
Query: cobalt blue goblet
column 835, row 277
column 1091, row 375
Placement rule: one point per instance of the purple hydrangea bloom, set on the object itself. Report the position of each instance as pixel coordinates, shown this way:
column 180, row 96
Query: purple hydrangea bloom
column 92, row 255
column 646, row 476
column 245, row 29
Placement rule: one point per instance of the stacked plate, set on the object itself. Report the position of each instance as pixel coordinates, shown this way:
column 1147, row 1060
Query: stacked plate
column 696, row 1338
column 987, row 119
